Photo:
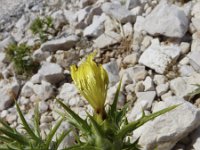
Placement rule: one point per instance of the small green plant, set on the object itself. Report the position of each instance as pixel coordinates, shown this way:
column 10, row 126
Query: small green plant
column 20, row 55
column 31, row 139
column 43, row 27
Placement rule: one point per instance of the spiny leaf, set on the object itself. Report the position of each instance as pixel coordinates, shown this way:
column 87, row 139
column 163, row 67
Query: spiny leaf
column 26, row 126
column 37, row 120
column 82, row 147
column 6, row 126
column 114, row 104
column 98, row 131
column 52, row 133
column 82, row 124
column 61, row 138
column 15, row 136
column 134, row 125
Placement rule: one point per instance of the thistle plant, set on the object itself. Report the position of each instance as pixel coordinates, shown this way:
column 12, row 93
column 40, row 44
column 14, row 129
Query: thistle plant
column 104, row 130
column 43, row 27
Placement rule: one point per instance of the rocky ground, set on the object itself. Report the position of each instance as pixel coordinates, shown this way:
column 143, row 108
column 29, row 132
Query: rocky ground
column 154, row 45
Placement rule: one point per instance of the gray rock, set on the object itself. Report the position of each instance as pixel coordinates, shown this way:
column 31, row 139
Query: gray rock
column 36, row 79
column 186, row 70
column 182, row 86
column 113, row 72
column 130, row 4
column 162, row 89
column 138, row 26
column 194, row 60
column 84, row 3
column 118, row 12
column 165, row 131
column 135, row 73
column 43, row 106
column 159, row 79
column 66, row 58
column 59, row 19
column 127, row 30
column 196, row 139
column 44, row 90
column 148, row 84
column 107, row 39
column 131, row 59
column 96, row 28
column 159, row 57
column 60, row 44
column 166, row 15
column 51, row 72
column 144, row 101
column 3, row 44
column 195, row 42
column 69, row 94
column 9, row 92
column 27, row 89
column 39, row 55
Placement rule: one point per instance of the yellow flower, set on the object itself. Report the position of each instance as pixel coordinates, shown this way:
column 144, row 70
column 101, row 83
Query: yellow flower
column 92, row 82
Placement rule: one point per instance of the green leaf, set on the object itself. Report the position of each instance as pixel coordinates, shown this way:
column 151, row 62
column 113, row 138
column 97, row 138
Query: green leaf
column 61, row 138
column 121, row 114
column 37, row 120
column 5, row 139
column 15, row 136
column 6, row 126
column 134, row 125
column 52, row 133
column 76, row 120
column 82, row 147
column 26, row 126
column 114, row 104
column 97, row 129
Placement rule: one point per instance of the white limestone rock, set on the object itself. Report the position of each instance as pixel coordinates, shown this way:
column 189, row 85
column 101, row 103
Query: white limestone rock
column 51, row 72
column 9, row 91
column 148, row 84
column 182, row 86
column 167, row 20
column 96, row 28
column 159, row 57
column 194, row 60
column 162, row 89
column 131, row 59
column 44, row 90
column 3, row 44
column 136, row 73
column 159, row 79
column 69, row 94
column 144, row 101
column 107, row 39
column 130, row 4
column 196, row 139
column 166, row 130
column 118, row 12
column 60, row 44
column 113, row 72
column 27, row 89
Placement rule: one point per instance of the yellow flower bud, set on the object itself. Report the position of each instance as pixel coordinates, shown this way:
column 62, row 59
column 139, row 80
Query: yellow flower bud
column 92, row 82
